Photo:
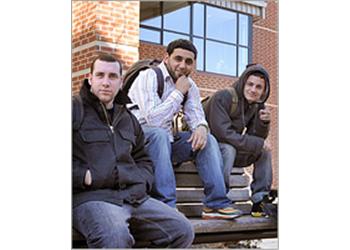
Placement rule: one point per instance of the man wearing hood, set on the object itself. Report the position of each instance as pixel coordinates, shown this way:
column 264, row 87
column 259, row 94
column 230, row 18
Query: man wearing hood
column 239, row 120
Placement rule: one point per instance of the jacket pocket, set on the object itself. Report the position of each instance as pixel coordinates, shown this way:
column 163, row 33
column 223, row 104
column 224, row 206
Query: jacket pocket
column 125, row 146
column 93, row 136
column 100, row 154
column 128, row 136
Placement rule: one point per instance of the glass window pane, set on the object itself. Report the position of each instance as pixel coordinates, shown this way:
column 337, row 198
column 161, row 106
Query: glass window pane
column 198, row 19
column 243, row 29
column 221, row 24
column 170, row 36
column 221, row 58
column 199, row 43
column 177, row 20
column 242, row 60
column 154, row 22
column 149, row 35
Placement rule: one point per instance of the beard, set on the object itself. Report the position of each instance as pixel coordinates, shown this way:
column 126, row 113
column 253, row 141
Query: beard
column 171, row 72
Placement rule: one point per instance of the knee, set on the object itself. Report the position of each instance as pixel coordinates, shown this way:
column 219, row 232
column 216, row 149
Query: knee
column 266, row 155
column 212, row 142
column 227, row 150
column 110, row 238
column 185, row 234
column 228, row 153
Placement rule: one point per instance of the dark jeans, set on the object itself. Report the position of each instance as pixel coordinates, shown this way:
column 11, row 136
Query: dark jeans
column 262, row 173
column 151, row 224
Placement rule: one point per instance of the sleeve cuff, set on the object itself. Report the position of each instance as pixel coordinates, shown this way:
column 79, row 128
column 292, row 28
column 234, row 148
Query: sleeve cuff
column 204, row 125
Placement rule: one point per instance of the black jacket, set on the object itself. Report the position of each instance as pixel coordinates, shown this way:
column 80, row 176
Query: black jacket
column 228, row 128
column 121, row 170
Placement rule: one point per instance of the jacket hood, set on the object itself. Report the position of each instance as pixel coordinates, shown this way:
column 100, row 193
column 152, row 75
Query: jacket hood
column 252, row 68
column 121, row 98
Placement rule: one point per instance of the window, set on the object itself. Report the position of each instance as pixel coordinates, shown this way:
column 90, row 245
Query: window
column 221, row 25
column 222, row 37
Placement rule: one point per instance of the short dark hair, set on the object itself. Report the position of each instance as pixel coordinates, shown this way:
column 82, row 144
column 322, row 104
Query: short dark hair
column 258, row 74
column 182, row 44
column 105, row 58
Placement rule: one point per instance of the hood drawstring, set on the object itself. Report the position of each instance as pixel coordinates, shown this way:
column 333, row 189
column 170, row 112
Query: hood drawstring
column 242, row 117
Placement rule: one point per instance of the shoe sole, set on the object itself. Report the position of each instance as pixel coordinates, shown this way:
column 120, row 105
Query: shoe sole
column 258, row 214
column 215, row 216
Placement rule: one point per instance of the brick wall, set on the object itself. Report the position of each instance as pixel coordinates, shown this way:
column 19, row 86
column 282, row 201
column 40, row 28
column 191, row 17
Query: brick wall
column 103, row 26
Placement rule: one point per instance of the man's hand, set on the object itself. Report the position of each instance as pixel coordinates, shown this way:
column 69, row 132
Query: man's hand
column 183, row 84
column 265, row 114
column 87, row 179
column 199, row 138
column 267, row 146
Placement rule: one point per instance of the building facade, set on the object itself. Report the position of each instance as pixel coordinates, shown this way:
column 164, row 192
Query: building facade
column 227, row 34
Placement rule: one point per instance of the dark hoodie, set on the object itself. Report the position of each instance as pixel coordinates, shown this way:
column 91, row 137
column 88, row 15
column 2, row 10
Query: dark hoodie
column 120, row 168
column 228, row 128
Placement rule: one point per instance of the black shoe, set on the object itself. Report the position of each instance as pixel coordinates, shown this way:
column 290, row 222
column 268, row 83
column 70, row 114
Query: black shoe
column 258, row 210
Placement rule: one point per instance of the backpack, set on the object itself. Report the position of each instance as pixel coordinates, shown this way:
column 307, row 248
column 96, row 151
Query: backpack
column 205, row 101
column 140, row 65
column 78, row 112
column 234, row 102
column 133, row 72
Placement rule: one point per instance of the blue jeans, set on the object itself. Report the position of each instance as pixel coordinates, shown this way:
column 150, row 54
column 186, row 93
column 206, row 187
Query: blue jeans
column 151, row 224
column 208, row 162
column 262, row 173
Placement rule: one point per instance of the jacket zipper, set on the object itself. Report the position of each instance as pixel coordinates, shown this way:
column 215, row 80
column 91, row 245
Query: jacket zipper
column 107, row 118
column 112, row 130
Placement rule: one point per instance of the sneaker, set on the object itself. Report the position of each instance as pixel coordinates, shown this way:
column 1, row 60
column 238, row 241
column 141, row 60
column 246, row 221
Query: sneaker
column 226, row 213
column 258, row 210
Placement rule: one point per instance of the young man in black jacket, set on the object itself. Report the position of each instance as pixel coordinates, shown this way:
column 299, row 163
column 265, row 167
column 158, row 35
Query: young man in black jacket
column 239, row 120
column 112, row 174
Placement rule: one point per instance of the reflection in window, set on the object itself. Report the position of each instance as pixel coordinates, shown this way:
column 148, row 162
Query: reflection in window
column 178, row 20
column 221, row 24
column 199, row 43
column 198, row 19
column 154, row 22
column 149, row 35
column 242, row 60
column 243, row 29
column 170, row 36
column 219, row 58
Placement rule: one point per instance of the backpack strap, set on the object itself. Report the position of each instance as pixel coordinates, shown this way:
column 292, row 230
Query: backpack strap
column 160, row 80
column 185, row 99
column 234, row 103
column 78, row 112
